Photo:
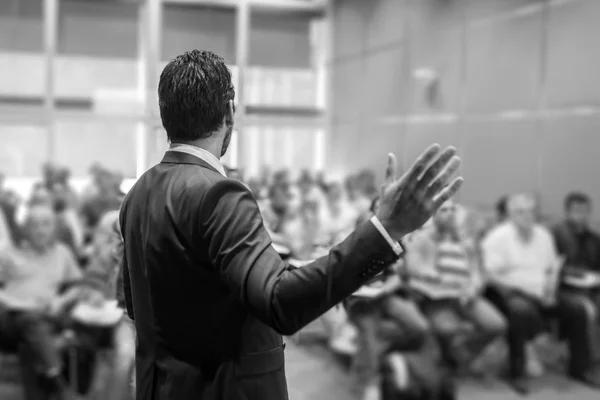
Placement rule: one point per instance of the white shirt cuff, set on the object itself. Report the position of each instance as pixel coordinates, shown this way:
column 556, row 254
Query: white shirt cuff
column 395, row 245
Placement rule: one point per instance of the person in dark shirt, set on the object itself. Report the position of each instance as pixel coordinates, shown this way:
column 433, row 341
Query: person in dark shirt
column 9, row 204
column 501, row 212
column 580, row 246
column 574, row 238
column 107, row 197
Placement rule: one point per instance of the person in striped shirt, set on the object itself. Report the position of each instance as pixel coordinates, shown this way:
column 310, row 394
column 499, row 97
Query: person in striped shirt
column 443, row 271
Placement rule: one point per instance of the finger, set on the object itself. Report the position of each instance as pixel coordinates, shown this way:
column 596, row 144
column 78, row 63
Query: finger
column 437, row 166
column 443, row 179
column 417, row 169
column 391, row 169
column 447, row 193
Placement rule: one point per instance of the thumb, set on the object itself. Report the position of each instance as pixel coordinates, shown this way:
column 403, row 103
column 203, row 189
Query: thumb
column 391, row 169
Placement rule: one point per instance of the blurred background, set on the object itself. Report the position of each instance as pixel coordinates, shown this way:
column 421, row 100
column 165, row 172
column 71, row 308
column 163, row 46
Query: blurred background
column 79, row 80
column 324, row 88
column 321, row 85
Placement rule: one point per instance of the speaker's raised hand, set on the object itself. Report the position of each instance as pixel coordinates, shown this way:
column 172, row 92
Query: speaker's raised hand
column 407, row 203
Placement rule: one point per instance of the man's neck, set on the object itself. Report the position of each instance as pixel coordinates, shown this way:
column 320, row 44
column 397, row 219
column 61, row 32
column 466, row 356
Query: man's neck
column 211, row 144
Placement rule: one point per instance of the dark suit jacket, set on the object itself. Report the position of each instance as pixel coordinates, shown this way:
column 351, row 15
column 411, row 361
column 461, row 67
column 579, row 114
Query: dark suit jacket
column 581, row 249
column 210, row 296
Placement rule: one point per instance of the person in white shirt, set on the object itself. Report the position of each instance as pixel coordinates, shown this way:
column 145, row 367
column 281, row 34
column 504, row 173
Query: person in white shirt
column 523, row 267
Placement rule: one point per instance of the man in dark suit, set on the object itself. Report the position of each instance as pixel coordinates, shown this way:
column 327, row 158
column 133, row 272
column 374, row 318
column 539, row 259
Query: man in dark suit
column 574, row 237
column 209, row 295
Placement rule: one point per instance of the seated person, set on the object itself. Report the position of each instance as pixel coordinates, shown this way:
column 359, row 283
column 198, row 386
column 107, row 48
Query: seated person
column 522, row 264
column 307, row 239
column 103, row 285
column 275, row 210
column 305, row 230
column 386, row 322
column 443, row 271
column 32, row 276
column 580, row 246
column 342, row 216
column 574, row 238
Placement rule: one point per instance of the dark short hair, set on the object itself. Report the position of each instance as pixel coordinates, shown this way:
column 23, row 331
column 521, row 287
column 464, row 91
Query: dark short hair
column 280, row 187
column 501, row 206
column 193, row 95
column 576, row 198
column 306, row 178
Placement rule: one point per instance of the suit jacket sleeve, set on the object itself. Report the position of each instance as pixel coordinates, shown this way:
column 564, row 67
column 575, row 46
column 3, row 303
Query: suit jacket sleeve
column 126, row 294
column 284, row 298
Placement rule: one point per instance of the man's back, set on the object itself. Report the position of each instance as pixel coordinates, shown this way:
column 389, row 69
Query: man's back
column 189, row 323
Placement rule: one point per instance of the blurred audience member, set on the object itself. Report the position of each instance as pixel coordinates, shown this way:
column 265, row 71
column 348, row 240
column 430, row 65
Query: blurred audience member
column 580, row 247
column 117, row 179
column 92, row 188
column 69, row 229
column 574, row 237
column 351, row 187
column 501, row 212
column 62, row 183
column 49, row 173
column 257, row 190
column 444, row 270
column 275, row 210
column 320, row 180
column 280, row 177
column 342, row 217
column 523, row 266
column 266, row 176
column 301, row 230
column 472, row 225
column 107, row 197
column 40, row 195
column 32, row 277
column 9, row 206
column 364, row 190
column 7, row 231
column 234, row 173
column 306, row 184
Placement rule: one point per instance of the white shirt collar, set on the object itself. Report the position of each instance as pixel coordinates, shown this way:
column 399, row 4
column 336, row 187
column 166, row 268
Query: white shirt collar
column 202, row 154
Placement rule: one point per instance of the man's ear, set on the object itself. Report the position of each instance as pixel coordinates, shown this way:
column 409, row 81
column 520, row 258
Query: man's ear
column 230, row 114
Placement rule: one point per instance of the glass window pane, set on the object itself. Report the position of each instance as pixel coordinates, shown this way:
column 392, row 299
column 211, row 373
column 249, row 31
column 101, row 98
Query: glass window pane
column 24, row 149
column 80, row 143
